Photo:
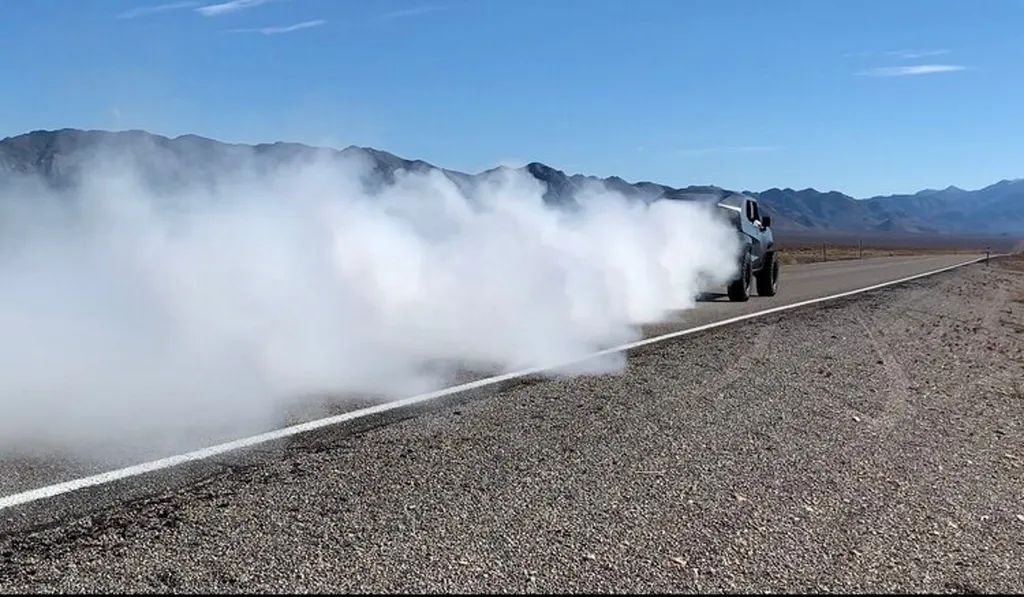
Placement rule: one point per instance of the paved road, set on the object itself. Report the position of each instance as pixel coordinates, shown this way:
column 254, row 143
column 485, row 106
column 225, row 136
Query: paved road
column 814, row 280
column 799, row 283
column 870, row 444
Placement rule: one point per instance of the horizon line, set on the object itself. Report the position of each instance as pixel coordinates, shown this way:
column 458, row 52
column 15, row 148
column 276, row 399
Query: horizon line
column 498, row 165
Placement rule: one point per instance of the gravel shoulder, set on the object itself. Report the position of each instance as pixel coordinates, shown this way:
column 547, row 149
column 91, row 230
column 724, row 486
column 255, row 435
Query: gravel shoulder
column 31, row 468
column 867, row 444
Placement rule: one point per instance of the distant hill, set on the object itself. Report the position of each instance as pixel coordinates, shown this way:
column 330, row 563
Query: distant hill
column 997, row 210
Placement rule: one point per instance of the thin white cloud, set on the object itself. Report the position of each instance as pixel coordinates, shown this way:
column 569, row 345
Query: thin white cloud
column 413, row 12
column 282, row 29
column 214, row 10
column 738, row 149
column 150, row 10
column 904, row 54
column 916, row 54
column 911, row 71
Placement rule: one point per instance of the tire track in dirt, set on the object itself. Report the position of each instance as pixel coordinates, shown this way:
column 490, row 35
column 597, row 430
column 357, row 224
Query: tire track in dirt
column 895, row 406
column 753, row 356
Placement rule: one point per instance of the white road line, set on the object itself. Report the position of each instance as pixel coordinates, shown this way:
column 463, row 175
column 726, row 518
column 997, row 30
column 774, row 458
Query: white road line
column 57, row 489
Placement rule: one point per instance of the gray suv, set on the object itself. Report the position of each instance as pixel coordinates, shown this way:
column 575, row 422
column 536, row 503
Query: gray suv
column 758, row 265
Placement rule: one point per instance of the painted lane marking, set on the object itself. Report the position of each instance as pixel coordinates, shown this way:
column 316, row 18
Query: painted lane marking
column 57, row 489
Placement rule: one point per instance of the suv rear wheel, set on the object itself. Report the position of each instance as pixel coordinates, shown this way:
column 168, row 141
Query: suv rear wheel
column 768, row 277
column 739, row 289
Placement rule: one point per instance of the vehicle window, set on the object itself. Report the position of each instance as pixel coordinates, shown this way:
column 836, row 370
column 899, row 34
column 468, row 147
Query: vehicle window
column 752, row 212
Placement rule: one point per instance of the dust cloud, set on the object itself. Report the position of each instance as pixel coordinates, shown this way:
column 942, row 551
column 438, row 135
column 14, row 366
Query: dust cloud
column 158, row 316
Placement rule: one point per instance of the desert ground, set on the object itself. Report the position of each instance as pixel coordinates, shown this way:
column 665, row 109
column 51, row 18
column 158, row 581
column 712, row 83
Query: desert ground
column 869, row 443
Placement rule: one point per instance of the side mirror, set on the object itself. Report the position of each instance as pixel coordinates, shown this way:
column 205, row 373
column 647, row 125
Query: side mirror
column 766, row 221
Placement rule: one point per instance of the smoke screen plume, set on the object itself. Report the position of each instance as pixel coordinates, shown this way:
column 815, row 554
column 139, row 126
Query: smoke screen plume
column 140, row 310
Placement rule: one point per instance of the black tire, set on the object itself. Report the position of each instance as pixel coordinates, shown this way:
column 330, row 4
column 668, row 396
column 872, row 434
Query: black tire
column 739, row 289
column 768, row 278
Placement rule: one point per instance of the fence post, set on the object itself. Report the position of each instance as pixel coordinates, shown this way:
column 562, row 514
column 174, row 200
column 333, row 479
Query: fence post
column 824, row 253
column 860, row 249
column 988, row 251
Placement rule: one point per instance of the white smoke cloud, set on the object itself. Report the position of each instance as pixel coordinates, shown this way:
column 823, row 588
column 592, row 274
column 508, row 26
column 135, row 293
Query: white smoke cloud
column 133, row 315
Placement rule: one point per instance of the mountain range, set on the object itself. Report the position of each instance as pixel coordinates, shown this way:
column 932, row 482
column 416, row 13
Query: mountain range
column 996, row 210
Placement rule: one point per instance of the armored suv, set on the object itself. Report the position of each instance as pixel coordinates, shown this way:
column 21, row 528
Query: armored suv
column 758, row 265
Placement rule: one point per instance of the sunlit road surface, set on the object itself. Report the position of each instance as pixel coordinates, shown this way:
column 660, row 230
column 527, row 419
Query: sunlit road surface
column 797, row 283
column 866, row 444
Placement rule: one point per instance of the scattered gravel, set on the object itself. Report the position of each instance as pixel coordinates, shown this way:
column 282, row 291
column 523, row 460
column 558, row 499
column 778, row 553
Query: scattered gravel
column 869, row 444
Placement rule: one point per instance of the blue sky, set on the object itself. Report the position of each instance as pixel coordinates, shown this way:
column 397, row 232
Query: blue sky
column 862, row 96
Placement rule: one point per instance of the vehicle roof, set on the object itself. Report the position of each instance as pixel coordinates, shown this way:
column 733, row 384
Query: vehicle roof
column 734, row 200
column 727, row 199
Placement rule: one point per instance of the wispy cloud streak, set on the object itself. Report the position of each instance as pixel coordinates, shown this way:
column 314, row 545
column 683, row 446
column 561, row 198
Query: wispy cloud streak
column 282, row 29
column 904, row 54
column 413, row 12
column 916, row 54
column 911, row 71
column 213, row 10
column 150, row 10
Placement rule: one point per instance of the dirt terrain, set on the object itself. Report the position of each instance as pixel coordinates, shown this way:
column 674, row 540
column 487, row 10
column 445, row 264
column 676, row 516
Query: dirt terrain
column 809, row 253
column 866, row 444
column 807, row 247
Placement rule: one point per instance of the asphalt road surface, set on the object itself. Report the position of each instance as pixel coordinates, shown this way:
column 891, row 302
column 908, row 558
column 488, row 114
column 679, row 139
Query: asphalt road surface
column 870, row 443
column 20, row 472
column 813, row 280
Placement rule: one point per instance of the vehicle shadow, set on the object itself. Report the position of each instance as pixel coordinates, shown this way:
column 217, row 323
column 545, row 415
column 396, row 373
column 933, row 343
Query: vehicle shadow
column 711, row 297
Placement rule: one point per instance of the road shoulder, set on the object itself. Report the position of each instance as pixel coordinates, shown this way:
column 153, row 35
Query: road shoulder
column 868, row 444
